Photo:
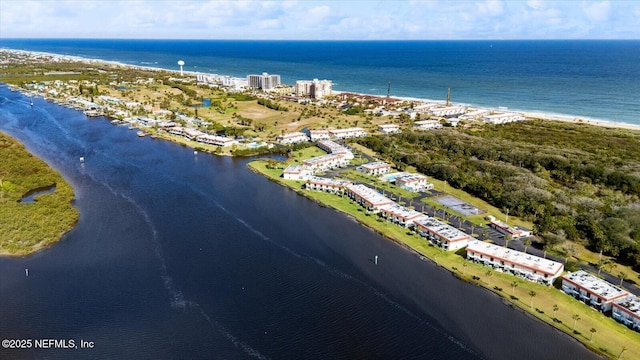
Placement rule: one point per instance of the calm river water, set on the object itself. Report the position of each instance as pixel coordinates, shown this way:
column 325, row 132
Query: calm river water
column 181, row 256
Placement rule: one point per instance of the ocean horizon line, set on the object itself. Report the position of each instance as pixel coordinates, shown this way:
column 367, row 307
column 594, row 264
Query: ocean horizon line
column 474, row 86
column 324, row 40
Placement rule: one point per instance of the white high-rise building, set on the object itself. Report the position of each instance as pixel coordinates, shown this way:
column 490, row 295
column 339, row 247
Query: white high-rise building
column 315, row 88
column 264, row 81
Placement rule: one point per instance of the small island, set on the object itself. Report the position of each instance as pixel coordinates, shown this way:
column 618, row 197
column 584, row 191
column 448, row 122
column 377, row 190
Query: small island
column 35, row 201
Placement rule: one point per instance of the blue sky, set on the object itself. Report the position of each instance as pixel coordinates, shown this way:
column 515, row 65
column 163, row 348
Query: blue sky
column 320, row 20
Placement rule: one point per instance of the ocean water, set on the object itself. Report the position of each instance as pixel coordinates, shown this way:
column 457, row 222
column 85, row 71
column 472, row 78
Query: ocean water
column 592, row 80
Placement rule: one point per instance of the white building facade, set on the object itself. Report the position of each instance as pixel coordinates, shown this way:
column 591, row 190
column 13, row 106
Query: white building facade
column 530, row 267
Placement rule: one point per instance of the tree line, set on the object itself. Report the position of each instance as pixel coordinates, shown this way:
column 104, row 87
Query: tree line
column 574, row 182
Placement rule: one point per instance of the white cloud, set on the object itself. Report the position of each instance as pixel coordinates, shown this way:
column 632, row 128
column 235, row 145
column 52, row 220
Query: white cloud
column 362, row 19
column 597, row 11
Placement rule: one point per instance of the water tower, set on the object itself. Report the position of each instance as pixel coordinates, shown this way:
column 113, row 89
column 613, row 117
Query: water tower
column 181, row 63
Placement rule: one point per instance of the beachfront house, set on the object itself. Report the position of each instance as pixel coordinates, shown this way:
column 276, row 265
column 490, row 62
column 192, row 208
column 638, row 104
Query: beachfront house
column 530, row 267
column 592, row 290
column 448, row 111
column 441, row 234
column 627, row 311
column 502, row 118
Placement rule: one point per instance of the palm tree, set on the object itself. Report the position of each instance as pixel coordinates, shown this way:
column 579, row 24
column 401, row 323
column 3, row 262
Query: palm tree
column 624, row 348
column 464, row 267
column 575, row 318
column 489, row 275
column 507, row 238
column 532, row 294
column 622, row 277
column 526, row 242
column 593, row 331
column 555, row 309
column 514, row 285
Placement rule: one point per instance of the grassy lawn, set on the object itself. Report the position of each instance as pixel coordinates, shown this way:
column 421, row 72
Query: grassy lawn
column 609, row 337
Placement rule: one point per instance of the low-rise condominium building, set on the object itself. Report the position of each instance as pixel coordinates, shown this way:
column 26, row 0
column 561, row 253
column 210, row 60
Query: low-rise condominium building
column 427, row 124
column 329, row 185
column 325, row 162
column 448, row 111
column 292, row 138
column 441, row 234
column 375, row 168
column 513, row 231
column 347, row 133
column 316, row 135
column 502, row 118
column 389, row 128
column 400, row 215
column 216, row 140
column 368, row 198
column 413, row 182
column 627, row 311
column 528, row 266
column 186, row 132
column 297, row 172
column 333, row 147
column 592, row 290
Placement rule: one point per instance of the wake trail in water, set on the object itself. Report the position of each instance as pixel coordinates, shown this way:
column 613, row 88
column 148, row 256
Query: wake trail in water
column 177, row 299
column 341, row 274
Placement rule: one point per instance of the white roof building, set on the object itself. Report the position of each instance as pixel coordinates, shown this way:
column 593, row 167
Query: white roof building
column 592, row 290
column 216, row 140
column 627, row 311
column 400, row 215
column 292, row 138
column 528, row 266
column 189, row 133
column 347, row 133
column 513, row 231
column 324, row 162
column 333, row 147
column 427, row 124
column 297, row 172
column 316, row 135
column 502, row 118
column 443, row 235
column 389, row 128
column 375, row 168
column 326, row 184
column 448, row 111
column 367, row 197
column 413, row 182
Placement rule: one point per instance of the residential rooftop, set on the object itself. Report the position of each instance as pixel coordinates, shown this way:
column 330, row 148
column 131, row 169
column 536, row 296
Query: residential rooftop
column 517, row 257
column 594, row 284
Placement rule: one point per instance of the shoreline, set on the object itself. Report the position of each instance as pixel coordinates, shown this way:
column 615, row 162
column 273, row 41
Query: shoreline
column 528, row 114
column 447, row 263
